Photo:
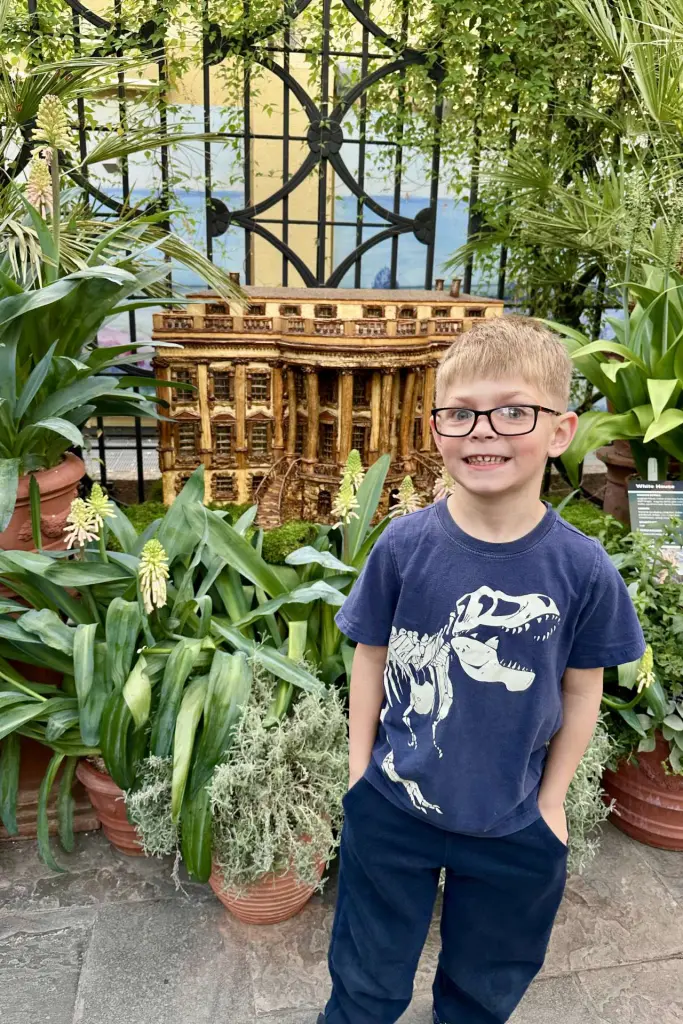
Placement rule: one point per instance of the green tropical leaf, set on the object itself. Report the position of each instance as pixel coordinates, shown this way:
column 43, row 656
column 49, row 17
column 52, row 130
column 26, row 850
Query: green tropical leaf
column 227, row 694
column 669, row 420
column 43, row 829
column 190, row 712
column 226, row 544
column 10, row 762
column 310, row 555
column 49, row 628
column 9, row 481
column 368, row 496
column 663, row 393
column 137, row 693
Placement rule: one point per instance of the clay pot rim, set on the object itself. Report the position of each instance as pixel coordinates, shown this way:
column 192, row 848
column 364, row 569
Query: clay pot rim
column 91, row 776
column 60, row 477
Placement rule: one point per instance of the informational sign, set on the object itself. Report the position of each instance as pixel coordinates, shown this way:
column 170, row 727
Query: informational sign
column 652, row 505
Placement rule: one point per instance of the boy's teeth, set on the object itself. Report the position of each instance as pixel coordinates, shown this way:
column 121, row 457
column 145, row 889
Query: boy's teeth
column 486, row 458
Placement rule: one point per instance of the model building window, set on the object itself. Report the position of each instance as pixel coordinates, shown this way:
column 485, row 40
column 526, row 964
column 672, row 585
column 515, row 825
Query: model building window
column 256, row 482
column 257, row 309
column 259, row 387
column 180, row 481
column 183, row 375
column 290, row 310
column 441, row 311
column 327, row 441
column 217, row 309
column 223, row 386
column 300, row 442
column 324, row 503
column 360, row 389
column 326, row 312
column 224, row 437
column 327, row 383
column 187, row 442
column 407, row 313
column 299, row 385
column 475, row 311
column 259, row 438
column 224, row 487
column 359, row 437
column 373, row 312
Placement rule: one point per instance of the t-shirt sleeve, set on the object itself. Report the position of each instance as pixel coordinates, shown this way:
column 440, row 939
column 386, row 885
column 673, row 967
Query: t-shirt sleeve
column 368, row 612
column 608, row 632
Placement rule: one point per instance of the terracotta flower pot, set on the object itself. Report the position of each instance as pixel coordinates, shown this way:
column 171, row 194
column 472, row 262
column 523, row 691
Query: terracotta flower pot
column 58, row 488
column 620, row 467
column 274, row 898
column 110, row 807
column 649, row 803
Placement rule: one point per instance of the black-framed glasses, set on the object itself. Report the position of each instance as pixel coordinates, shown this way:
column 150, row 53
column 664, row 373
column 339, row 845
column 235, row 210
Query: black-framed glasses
column 508, row 420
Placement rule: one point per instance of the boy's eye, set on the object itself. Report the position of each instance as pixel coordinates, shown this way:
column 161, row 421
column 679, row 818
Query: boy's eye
column 515, row 412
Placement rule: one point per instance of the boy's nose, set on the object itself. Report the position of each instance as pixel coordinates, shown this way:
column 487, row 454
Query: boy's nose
column 483, row 429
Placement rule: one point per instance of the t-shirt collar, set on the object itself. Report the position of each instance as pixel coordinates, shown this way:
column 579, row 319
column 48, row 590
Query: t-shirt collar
column 485, row 547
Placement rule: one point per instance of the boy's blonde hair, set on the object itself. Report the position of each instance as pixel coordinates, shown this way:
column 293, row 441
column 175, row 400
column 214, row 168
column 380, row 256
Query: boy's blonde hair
column 509, row 346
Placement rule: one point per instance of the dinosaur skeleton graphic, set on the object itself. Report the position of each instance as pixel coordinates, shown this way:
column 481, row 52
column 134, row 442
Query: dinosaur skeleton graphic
column 423, row 663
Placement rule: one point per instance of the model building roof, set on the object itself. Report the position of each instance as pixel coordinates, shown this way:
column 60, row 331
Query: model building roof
column 352, row 295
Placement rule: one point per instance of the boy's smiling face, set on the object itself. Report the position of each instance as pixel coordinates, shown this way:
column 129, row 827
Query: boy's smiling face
column 514, row 463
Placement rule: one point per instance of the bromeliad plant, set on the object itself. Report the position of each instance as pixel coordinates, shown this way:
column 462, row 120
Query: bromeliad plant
column 641, row 375
column 144, row 671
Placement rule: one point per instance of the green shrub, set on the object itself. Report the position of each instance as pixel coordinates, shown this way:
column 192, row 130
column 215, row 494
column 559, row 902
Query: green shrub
column 590, row 519
column 281, row 541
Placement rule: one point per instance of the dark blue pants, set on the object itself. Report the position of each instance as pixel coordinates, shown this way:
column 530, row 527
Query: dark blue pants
column 499, row 905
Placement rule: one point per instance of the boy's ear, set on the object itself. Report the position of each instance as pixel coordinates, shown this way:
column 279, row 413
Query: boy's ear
column 565, row 427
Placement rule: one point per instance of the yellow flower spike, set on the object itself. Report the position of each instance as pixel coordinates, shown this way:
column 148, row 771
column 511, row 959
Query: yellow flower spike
column 408, row 499
column 100, row 505
column 646, row 675
column 345, row 503
column 39, row 187
column 354, row 468
column 152, row 574
column 82, row 525
column 52, row 125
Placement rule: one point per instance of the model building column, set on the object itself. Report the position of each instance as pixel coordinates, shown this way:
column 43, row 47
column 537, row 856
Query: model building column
column 427, row 403
column 375, row 413
column 241, row 427
column 313, row 404
column 291, row 403
column 205, row 447
column 278, row 436
column 385, row 412
column 407, row 416
column 345, row 413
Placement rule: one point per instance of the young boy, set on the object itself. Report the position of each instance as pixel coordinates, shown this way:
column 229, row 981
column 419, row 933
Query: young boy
column 483, row 623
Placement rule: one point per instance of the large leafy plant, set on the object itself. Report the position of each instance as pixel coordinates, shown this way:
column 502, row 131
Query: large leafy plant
column 640, row 373
column 144, row 670
column 657, row 682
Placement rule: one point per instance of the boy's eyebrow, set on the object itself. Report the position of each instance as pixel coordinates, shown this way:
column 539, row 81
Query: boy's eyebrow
column 507, row 396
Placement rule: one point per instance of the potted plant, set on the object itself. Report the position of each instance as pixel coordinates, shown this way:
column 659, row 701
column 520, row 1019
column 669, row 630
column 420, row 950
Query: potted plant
column 641, row 375
column 131, row 633
column 646, row 775
column 63, row 274
column 274, row 804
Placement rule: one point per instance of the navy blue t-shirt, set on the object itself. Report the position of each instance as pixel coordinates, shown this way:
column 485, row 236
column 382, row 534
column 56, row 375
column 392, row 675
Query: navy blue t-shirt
column 479, row 636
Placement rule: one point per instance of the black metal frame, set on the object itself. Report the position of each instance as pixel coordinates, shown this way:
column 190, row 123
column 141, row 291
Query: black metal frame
column 488, row 414
column 324, row 138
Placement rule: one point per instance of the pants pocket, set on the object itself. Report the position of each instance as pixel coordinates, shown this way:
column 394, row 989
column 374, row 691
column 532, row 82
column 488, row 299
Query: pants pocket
column 546, row 831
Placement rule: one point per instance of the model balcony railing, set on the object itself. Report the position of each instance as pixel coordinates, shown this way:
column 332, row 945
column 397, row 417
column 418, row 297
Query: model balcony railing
column 312, row 327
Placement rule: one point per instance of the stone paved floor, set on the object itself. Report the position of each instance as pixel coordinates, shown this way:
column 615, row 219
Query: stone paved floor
column 110, row 941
